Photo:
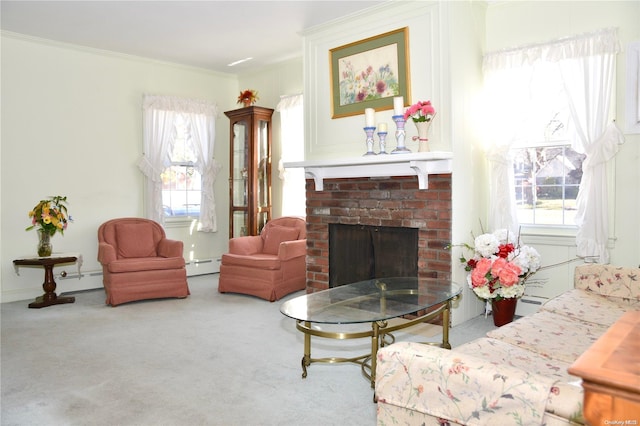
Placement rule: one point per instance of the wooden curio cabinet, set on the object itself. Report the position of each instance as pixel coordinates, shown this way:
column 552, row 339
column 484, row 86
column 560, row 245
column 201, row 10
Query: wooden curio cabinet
column 250, row 170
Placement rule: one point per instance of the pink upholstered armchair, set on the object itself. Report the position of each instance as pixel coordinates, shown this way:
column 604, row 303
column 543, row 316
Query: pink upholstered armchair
column 139, row 262
column 270, row 265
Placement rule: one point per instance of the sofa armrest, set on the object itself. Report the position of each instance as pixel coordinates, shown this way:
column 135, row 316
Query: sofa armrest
column 106, row 253
column 458, row 387
column 170, row 248
column 248, row 245
column 290, row 249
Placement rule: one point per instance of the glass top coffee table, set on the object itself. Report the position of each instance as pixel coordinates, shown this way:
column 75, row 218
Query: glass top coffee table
column 374, row 301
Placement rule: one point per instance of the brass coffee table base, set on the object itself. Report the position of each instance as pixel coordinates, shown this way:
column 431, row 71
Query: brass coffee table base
column 378, row 334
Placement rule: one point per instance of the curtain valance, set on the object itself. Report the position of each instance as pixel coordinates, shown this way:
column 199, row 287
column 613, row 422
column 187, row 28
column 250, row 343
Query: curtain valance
column 580, row 46
column 179, row 105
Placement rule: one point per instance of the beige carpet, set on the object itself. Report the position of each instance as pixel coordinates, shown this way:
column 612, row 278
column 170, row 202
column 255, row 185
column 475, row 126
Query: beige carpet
column 210, row 359
column 423, row 330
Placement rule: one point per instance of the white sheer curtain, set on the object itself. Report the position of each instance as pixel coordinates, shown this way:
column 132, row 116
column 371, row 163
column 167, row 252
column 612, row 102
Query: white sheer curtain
column 587, row 66
column 503, row 85
column 159, row 113
column 292, row 137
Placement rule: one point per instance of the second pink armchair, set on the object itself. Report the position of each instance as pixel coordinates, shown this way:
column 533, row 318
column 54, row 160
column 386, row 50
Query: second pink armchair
column 270, row 265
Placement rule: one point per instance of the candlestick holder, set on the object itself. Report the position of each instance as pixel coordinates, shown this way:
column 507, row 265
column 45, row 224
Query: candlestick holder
column 383, row 145
column 369, row 131
column 400, row 134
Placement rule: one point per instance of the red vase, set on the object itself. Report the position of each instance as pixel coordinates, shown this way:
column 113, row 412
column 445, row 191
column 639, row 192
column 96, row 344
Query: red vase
column 503, row 311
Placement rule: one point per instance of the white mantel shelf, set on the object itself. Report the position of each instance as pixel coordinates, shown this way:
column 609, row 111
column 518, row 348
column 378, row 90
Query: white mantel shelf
column 420, row 164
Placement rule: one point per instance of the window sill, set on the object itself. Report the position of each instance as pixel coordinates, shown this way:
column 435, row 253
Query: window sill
column 554, row 235
column 551, row 235
column 185, row 222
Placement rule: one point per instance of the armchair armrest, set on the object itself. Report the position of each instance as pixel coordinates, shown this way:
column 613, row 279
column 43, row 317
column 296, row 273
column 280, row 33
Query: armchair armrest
column 106, row 253
column 248, row 245
column 458, row 387
column 290, row 249
column 170, row 248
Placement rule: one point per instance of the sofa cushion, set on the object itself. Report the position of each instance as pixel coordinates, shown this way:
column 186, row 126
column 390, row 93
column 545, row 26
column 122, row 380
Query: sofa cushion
column 135, row 240
column 551, row 335
column 276, row 235
column 589, row 307
column 499, row 353
column 465, row 389
column 566, row 395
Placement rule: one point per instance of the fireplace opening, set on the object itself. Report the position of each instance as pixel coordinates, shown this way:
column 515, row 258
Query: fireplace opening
column 362, row 252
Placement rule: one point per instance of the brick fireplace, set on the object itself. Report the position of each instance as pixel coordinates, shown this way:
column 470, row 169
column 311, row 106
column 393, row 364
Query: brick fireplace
column 395, row 201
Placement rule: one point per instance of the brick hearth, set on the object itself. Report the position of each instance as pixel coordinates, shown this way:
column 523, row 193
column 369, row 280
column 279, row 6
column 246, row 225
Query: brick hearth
column 394, row 201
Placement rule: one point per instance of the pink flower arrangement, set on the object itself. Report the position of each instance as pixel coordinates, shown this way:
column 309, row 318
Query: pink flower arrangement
column 500, row 265
column 422, row 111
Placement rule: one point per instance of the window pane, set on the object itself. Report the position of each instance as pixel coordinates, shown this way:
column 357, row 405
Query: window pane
column 546, row 184
column 181, row 182
column 181, row 186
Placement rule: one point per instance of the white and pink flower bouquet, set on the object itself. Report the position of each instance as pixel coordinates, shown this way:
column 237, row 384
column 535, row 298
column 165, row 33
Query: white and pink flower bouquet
column 500, row 265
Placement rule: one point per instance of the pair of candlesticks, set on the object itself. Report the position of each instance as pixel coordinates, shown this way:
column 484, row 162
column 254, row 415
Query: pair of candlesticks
column 382, row 136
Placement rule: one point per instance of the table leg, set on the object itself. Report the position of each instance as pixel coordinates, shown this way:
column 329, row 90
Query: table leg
column 306, row 358
column 374, row 351
column 445, row 325
column 49, row 297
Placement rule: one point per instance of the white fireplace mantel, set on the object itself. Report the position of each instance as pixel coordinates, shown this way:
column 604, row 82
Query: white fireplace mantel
column 420, row 164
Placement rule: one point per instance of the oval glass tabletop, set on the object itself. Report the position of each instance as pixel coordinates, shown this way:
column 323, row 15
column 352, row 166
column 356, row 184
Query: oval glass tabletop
column 371, row 300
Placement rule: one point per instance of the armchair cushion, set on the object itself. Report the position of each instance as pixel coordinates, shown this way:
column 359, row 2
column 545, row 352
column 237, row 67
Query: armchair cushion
column 278, row 234
column 135, row 240
column 145, row 264
column 256, row 262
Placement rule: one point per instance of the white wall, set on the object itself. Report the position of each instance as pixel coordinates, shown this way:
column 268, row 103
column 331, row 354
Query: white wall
column 71, row 125
column 281, row 79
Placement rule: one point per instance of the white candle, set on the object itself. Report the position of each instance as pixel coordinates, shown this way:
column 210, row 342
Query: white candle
column 369, row 117
column 382, row 127
column 398, row 105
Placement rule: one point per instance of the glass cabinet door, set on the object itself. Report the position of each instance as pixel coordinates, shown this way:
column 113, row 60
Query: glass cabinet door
column 240, row 224
column 250, row 170
column 240, row 170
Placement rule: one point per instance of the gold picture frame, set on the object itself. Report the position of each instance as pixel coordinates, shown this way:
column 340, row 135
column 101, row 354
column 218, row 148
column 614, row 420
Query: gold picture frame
column 369, row 73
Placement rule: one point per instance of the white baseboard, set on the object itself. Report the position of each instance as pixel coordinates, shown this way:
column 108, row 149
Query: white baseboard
column 89, row 280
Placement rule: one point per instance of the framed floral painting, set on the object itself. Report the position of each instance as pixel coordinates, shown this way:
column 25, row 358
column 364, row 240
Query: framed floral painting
column 369, row 73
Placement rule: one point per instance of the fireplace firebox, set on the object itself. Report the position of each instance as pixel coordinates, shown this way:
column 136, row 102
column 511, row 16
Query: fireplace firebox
column 361, row 252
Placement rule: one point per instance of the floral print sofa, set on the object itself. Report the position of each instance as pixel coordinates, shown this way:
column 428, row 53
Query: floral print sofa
column 517, row 374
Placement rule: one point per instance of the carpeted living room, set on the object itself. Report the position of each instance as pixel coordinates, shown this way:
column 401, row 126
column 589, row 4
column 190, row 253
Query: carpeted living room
column 209, row 359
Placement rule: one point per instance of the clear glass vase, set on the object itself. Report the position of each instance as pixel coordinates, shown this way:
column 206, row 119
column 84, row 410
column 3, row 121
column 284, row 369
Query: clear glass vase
column 44, row 243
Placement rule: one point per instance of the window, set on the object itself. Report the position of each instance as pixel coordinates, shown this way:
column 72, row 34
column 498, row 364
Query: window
column 181, row 181
column 547, row 171
column 528, row 90
column 178, row 161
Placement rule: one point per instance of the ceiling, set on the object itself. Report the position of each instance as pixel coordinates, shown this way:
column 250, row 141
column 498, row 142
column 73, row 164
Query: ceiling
column 208, row 34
